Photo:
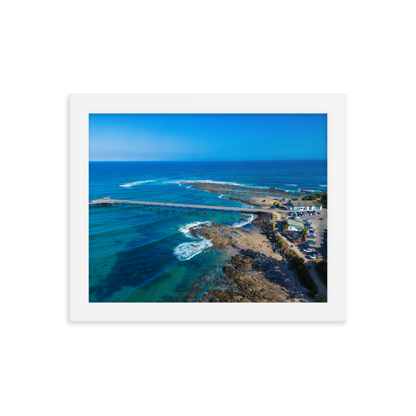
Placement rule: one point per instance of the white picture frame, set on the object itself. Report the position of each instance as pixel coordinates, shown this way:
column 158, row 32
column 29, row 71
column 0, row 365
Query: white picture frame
column 81, row 105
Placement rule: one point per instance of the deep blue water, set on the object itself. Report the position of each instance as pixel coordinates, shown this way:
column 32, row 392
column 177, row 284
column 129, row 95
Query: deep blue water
column 145, row 254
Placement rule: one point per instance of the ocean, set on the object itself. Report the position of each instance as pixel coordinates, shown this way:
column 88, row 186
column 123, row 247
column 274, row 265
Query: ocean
column 141, row 254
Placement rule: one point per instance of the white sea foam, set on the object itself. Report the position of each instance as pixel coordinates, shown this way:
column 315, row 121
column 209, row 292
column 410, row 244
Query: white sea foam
column 185, row 228
column 189, row 187
column 244, row 222
column 209, row 181
column 127, row 185
column 220, row 196
column 323, row 186
column 186, row 251
column 291, row 184
column 247, row 205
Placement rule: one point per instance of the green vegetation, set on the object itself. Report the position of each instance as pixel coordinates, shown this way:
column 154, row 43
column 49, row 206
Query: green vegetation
column 282, row 243
column 322, row 298
column 312, row 197
column 322, row 269
column 304, row 278
column 299, row 265
column 304, row 231
column 318, row 196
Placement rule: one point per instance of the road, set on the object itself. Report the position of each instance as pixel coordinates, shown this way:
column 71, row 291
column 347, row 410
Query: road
column 320, row 230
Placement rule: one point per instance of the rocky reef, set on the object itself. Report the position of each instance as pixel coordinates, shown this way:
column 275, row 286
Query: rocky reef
column 250, row 276
column 254, row 277
column 221, row 236
column 221, row 188
column 257, row 273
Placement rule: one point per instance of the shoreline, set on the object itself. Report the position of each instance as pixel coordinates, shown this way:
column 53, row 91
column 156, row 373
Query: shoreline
column 260, row 197
column 255, row 271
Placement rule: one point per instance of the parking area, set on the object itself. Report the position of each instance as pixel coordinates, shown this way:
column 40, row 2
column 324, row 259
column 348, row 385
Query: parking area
column 316, row 240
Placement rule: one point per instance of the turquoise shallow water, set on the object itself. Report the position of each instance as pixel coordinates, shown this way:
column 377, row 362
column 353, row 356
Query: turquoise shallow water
column 141, row 254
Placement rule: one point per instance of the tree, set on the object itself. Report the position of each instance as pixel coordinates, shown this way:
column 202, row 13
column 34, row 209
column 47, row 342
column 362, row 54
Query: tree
column 304, row 231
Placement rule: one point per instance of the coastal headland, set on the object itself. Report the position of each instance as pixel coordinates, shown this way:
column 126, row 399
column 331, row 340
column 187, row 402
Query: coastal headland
column 258, row 269
column 260, row 197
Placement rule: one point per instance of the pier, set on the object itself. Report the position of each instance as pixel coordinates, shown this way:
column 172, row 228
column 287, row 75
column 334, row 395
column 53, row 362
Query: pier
column 169, row 205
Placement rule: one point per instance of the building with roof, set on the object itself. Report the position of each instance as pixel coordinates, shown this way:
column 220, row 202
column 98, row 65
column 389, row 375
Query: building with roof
column 295, row 225
column 304, row 205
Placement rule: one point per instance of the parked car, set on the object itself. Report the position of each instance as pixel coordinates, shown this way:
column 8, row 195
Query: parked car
column 312, row 256
column 321, row 218
column 309, row 250
column 311, row 241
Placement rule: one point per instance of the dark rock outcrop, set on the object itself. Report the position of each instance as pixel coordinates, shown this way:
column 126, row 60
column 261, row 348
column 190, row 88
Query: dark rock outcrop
column 254, row 277
column 221, row 236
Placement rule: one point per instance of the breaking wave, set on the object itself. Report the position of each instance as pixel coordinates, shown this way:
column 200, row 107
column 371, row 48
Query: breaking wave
column 244, row 222
column 186, row 251
column 127, row 185
column 185, row 228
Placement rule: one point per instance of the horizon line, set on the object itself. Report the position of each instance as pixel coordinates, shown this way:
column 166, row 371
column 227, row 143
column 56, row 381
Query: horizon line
column 181, row 161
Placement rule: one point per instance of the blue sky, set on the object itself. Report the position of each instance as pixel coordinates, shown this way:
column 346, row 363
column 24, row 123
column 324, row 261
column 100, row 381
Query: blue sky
column 199, row 137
